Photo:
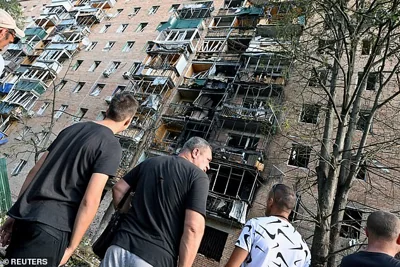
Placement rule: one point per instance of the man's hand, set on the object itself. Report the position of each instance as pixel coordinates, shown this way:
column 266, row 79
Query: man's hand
column 5, row 232
column 67, row 254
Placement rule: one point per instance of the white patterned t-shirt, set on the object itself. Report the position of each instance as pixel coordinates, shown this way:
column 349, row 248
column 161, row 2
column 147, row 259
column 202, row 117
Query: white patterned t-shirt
column 273, row 242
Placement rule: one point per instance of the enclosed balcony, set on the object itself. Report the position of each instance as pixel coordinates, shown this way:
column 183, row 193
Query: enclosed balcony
column 37, row 87
column 166, row 61
column 199, row 73
column 175, row 38
column 36, row 31
column 222, row 50
column 265, row 68
column 5, row 88
column 232, row 190
column 144, row 86
column 195, row 10
column 176, row 23
column 103, row 4
column 23, row 98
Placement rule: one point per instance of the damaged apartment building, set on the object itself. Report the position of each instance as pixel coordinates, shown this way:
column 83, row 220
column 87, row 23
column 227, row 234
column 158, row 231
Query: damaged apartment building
column 212, row 69
column 203, row 68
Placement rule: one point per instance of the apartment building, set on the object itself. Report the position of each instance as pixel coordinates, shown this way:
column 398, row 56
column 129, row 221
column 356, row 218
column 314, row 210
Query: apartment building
column 199, row 68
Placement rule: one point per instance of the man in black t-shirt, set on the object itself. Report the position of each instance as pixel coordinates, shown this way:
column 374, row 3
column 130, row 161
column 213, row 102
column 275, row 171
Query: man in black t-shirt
column 383, row 232
column 62, row 192
column 168, row 208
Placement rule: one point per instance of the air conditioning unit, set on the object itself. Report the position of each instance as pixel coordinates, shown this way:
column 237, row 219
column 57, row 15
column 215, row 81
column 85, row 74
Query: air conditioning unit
column 108, row 99
column 126, row 75
column 106, row 73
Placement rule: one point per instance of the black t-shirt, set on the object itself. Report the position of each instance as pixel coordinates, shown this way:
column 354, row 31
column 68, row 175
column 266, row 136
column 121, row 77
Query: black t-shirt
column 166, row 187
column 369, row 259
column 55, row 193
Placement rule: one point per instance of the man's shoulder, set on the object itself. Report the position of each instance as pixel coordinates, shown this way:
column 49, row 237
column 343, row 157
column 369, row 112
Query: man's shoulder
column 361, row 257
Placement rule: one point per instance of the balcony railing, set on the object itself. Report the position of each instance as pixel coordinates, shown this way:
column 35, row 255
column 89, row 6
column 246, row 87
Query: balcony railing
column 256, row 114
column 33, row 86
column 37, row 31
column 5, row 88
column 226, row 208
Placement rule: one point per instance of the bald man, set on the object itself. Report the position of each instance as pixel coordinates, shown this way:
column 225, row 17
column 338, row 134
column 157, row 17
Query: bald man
column 383, row 232
column 272, row 240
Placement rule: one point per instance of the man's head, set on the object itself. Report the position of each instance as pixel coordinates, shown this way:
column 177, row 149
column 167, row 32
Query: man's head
column 123, row 107
column 9, row 32
column 383, row 228
column 198, row 151
column 281, row 200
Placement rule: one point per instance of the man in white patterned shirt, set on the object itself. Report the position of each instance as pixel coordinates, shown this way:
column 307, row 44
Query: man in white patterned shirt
column 272, row 240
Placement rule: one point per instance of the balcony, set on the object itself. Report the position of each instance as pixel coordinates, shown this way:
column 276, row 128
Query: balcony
column 68, row 5
column 195, row 10
column 145, row 86
column 86, row 15
column 179, row 37
column 103, row 4
column 30, row 86
column 232, row 189
column 175, row 23
column 26, row 48
column 47, row 20
column 36, row 31
column 5, row 88
column 171, row 61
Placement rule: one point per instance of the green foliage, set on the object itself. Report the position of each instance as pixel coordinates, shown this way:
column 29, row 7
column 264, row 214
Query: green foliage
column 14, row 9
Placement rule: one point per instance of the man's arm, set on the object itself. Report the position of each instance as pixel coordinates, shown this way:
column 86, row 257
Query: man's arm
column 237, row 258
column 86, row 212
column 119, row 190
column 32, row 173
column 192, row 234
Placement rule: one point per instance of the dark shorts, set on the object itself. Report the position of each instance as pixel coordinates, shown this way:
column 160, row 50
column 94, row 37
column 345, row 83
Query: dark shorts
column 36, row 244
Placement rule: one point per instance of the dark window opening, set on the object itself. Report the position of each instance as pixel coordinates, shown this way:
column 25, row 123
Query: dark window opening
column 372, row 80
column 233, row 182
column 362, row 122
column 351, row 225
column 213, row 243
column 310, row 113
column 366, row 47
column 243, row 142
column 295, row 211
column 300, row 156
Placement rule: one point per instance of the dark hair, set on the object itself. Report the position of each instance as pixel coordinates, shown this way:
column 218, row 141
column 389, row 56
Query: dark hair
column 123, row 105
column 284, row 197
column 195, row 142
column 383, row 225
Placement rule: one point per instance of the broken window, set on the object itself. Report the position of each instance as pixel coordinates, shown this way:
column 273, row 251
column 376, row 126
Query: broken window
column 94, row 66
column 213, row 243
column 230, row 181
column 19, row 167
column 362, row 169
column 153, row 10
column 128, row 46
column 141, row 27
column 43, row 108
column 97, row 89
column 309, row 113
column 243, row 142
column 362, row 122
column 171, row 136
column 366, row 47
column 300, row 156
column 77, row 64
column 78, row 87
column 60, row 111
column 104, row 29
column 122, row 28
column 351, row 224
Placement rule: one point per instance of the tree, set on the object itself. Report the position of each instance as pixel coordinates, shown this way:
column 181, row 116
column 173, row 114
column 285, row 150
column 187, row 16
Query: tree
column 342, row 42
column 14, row 9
